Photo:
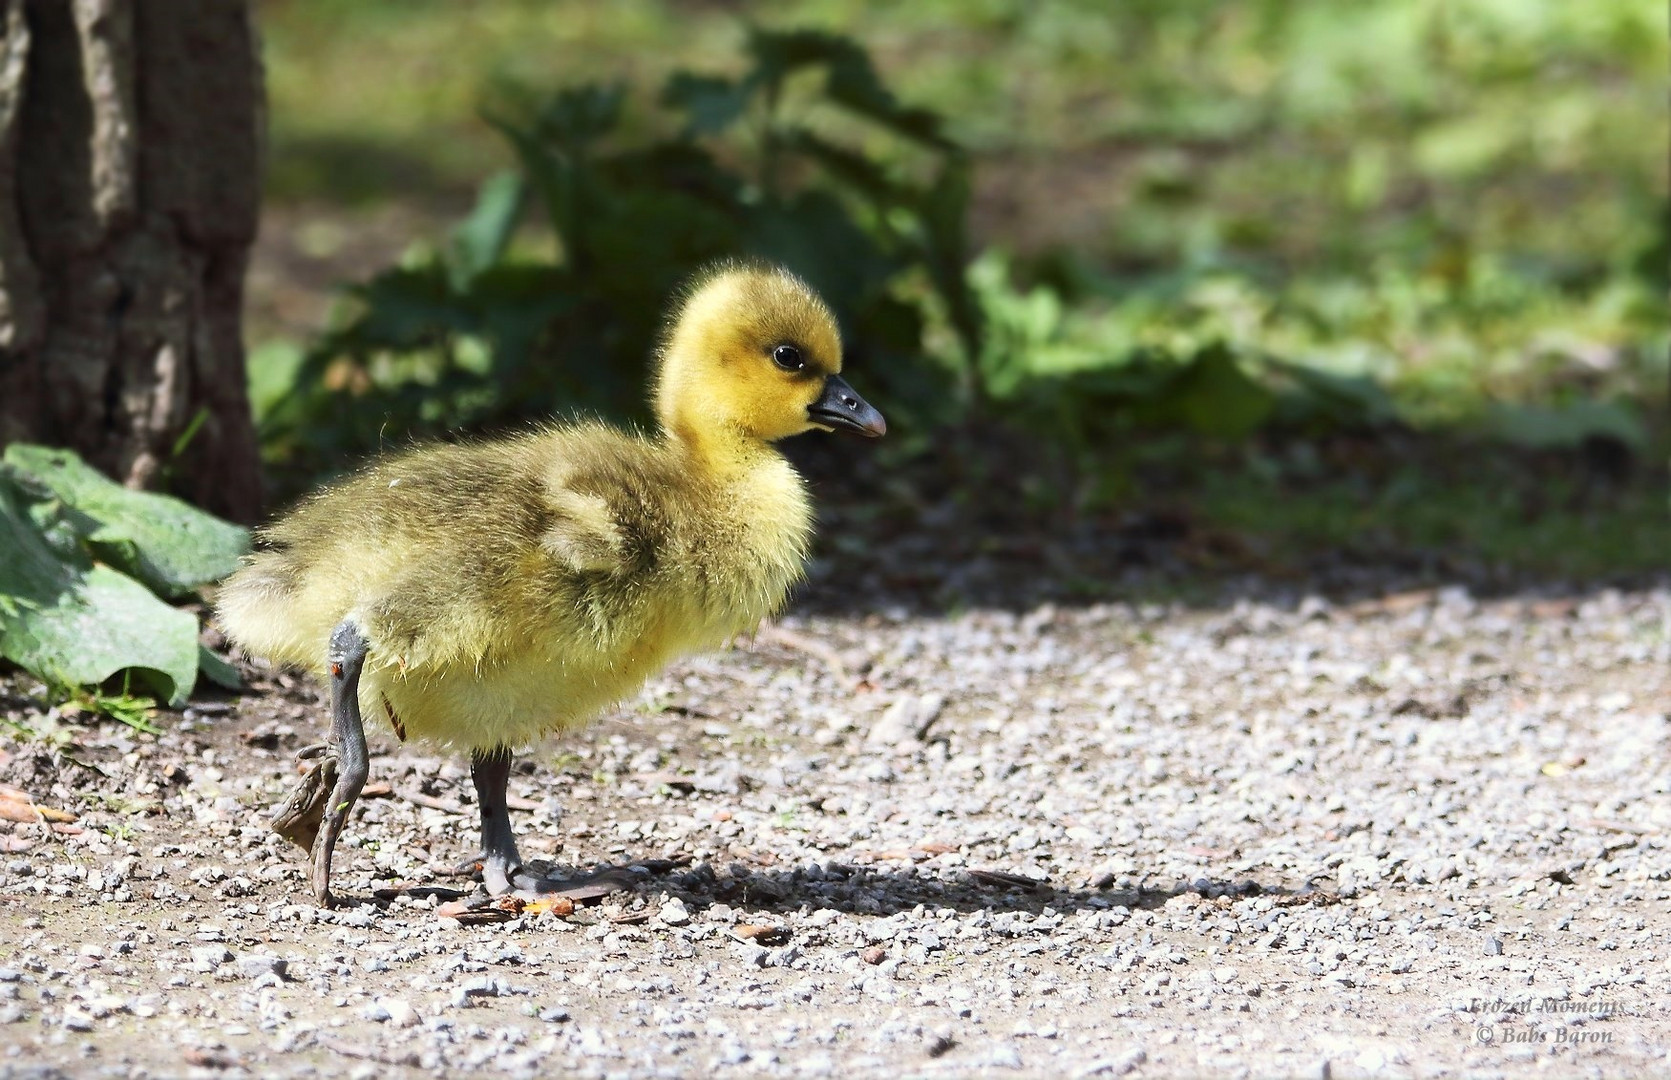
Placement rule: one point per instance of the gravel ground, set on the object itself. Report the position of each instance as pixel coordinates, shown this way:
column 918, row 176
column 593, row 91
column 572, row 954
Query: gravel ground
column 1419, row 834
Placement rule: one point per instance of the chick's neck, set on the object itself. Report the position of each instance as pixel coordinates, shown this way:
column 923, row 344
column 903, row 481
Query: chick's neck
column 721, row 451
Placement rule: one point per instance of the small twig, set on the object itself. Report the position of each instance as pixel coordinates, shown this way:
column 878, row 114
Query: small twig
column 418, row 798
column 773, row 634
column 355, row 1050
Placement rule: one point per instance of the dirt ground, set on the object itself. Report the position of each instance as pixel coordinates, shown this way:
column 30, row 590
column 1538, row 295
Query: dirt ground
column 1405, row 832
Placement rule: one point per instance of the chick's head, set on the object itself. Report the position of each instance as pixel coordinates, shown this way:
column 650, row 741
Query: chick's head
column 753, row 350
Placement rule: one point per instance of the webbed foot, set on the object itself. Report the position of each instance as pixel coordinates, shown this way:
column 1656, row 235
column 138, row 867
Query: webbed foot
column 298, row 820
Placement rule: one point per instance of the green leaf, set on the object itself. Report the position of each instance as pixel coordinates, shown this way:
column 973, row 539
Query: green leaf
column 553, row 148
column 75, row 623
column 406, row 307
column 814, row 236
column 851, row 80
column 1339, row 399
column 862, row 174
column 581, row 115
column 217, row 670
column 713, row 103
column 1215, row 397
column 167, row 544
column 480, row 239
column 944, row 211
column 274, row 369
column 552, row 176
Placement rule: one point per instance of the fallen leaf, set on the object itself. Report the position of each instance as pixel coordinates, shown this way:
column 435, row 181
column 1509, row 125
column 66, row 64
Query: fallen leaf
column 24, row 809
column 15, row 810
column 551, row 905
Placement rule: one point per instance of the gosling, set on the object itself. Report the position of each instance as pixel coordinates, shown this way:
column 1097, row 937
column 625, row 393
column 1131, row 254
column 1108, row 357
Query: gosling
column 479, row 597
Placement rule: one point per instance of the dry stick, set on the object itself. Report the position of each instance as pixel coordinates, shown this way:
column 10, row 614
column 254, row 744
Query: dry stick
column 773, row 634
column 420, row 799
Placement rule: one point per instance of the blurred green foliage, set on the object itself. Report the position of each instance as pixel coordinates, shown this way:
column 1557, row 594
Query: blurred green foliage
column 467, row 335
column 1125, row 229
column 1313, row 133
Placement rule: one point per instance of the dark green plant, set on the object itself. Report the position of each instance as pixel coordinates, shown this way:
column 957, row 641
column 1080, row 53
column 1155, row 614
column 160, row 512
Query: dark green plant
column 768, row 164
column 806, row 158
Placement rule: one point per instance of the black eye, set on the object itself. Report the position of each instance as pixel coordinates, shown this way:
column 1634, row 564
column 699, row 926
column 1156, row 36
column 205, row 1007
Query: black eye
column 788, row 357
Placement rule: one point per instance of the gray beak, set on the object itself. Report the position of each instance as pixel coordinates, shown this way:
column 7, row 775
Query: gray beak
column 840, row 408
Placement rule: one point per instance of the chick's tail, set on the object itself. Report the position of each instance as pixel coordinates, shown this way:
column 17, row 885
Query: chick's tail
column 267, row 609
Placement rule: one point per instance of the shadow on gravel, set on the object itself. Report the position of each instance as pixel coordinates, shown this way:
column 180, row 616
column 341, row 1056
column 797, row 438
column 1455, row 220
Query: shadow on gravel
column 858, row 890
column 865, row 891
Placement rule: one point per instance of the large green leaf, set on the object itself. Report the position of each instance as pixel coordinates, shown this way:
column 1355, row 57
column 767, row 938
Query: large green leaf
column 850, row 80
column 217, row 670
column 713, row 103
column 167, row 544
column 1330, row 400
column 1210, row 395
column 480, row 240
column 72, row 622
column 1216, row 397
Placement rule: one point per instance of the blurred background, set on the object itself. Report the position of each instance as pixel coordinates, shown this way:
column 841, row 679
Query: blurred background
column 1276, row 286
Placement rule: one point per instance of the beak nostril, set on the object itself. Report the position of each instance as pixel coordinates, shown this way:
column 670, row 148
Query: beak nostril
column 840, row 408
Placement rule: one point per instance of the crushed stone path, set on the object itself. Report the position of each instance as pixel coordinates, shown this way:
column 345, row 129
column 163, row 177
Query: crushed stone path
column 1420, row 835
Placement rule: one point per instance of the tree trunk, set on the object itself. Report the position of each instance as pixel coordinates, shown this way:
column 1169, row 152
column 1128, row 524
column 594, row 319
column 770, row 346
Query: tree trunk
column 131, row 136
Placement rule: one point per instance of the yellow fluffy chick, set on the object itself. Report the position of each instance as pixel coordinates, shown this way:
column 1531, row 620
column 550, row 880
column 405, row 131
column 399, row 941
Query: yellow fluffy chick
column 481, row 596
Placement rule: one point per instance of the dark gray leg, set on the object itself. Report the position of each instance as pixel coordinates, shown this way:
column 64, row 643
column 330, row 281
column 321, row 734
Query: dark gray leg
column 491, row 771
column 502, row 869
column 347, row 656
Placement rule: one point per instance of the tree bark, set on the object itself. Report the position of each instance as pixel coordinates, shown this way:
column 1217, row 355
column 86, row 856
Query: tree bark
column 131, row 138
